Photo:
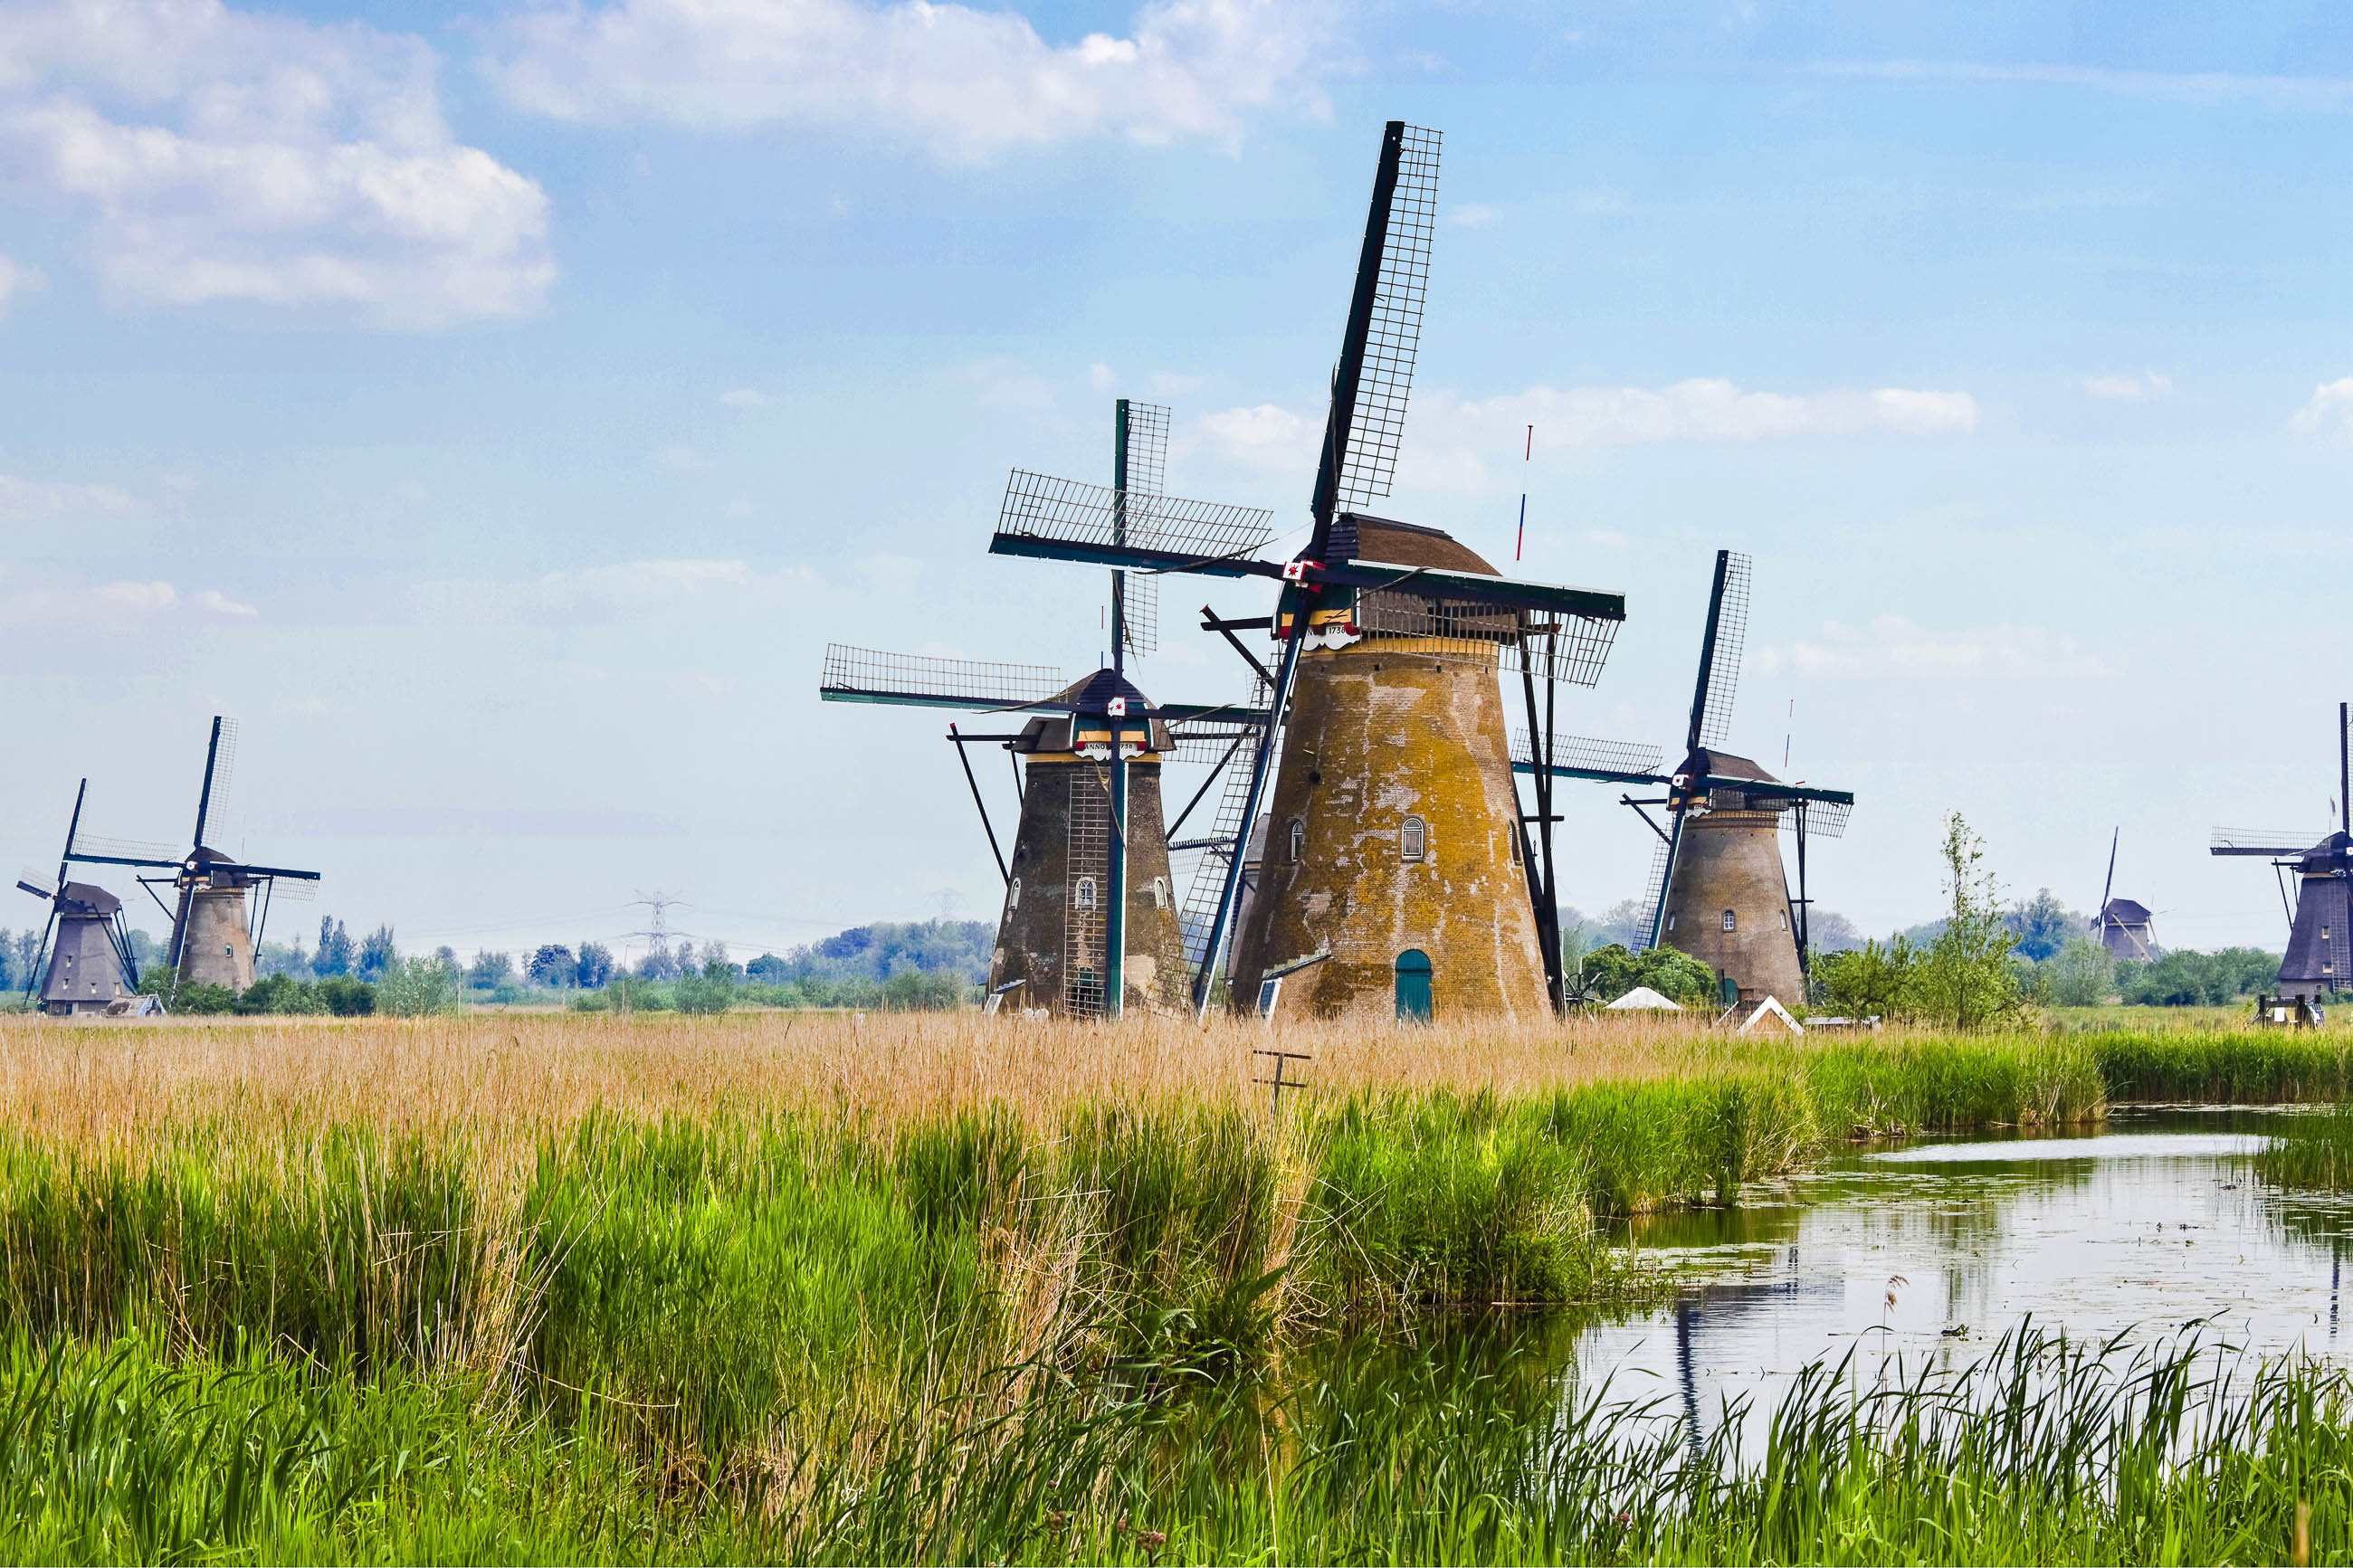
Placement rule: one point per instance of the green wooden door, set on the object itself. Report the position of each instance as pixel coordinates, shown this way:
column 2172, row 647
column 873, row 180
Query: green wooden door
column 1413, row 985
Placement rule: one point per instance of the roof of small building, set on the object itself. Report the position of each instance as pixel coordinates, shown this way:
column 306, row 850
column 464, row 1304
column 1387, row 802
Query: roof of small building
column 1642, row 997
column 2125, row 912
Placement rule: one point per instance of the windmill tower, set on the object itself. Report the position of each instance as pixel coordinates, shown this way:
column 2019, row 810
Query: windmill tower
column 1398, row 873
column 2123, row 925
column 2319, row 958
column 87, row 965
column 1090, row 923
column 1719, row 889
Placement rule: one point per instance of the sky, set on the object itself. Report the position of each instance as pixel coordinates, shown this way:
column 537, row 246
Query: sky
column 498, row 407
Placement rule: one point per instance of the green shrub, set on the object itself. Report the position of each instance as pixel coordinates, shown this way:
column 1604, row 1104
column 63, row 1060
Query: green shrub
column 415, row 987
column 346, row 996
column 1869, row 981
column 1611, row 972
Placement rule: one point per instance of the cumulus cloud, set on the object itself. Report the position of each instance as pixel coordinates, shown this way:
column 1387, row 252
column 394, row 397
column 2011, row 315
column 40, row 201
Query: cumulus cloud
column 2328, row 413
column 29, row 501
column 965, row 83
column 2148, row 384
column 1473, row 214
column 1449, row 438
column 220, row 604
column 1893, row 647
column 744, row 397
column 224, row 156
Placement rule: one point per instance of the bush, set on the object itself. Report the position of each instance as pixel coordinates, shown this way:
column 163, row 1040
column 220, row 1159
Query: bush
column 713, row 991
column 280, row 994
column 1611, row 972
column 1869, row 981
column 925, row 991
column 415, row 987
column 347, row 997
column 2198, row 979
column 2081, row 975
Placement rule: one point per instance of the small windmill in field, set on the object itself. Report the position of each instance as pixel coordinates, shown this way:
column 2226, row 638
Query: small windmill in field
column 2319, row 957
column 1090, row 922
column 86, row 964
column 2123, row 925
column 1399, row 871
column 1719, row 889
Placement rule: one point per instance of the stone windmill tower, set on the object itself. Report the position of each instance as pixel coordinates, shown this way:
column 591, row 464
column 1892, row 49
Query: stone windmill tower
column 1090, row 924
column 1398, row 873
column 2319, row 957
column 1719, row 889
column 86, row 964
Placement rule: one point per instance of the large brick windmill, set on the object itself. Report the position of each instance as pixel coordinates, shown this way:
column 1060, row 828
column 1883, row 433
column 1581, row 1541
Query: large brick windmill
column 1719, row 889
column 1397, row 872
column 1090, row 922
column 86, row 964
column 2319, row 957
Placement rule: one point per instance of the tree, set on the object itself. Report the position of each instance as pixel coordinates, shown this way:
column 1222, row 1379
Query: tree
column 2043, row 925
column 713, row 991
column 1627, row 922
column 554, row 965
column 1869, row 981
column 1966, row 980
column 335, row 950
column 376, row 954
column 595, row 967
column 489, row 971
column 2080, row 975
column 658, row 965
column 413, row 987
column 1827, row 931
column 1613, row 971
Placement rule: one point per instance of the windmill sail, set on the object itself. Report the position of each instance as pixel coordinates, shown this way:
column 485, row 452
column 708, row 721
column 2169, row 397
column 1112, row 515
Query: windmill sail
column 1143, row 468
column 220, row 768
column 920, row 680
column 1367, row 422
column 2276, row 842
column 1719, row 659
column 1584, row 756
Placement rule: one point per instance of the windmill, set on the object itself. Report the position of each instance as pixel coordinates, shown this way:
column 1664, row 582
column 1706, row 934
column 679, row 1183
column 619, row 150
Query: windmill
column 86, row 964
column 213, row 926
column 1718, row 889
column 2123, row 924
column 2319, row 955
column 1399, row 871
column 1090, row 919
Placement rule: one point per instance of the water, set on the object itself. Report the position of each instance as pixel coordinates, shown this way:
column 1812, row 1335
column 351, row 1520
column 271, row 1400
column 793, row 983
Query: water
column 1927, row 1253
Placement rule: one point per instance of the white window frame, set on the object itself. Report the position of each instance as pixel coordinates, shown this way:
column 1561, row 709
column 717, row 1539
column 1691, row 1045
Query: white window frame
column 1413, row 841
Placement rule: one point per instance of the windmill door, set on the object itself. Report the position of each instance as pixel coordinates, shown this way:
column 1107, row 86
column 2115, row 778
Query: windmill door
column 1413, row 985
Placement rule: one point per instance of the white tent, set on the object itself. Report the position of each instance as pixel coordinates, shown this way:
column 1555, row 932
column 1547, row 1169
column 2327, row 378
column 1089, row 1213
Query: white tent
column 1642, row 998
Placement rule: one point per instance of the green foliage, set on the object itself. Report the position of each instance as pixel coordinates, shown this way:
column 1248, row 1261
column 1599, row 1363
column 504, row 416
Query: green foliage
column 925, row 991
column 713, row 991
column 2082, row 973
column 417, row 987
column 377, row 955
column 2043, row 925
column 280, row 994
column 2183, row 979
column 1869, row 981
column 1965, row 980
column 876, row 953
column 1678, row 977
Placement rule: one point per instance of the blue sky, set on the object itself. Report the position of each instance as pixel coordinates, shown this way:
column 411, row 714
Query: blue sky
column 499, row 408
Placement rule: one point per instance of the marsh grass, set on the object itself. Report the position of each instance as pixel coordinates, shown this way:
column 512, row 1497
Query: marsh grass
column 907, row 1287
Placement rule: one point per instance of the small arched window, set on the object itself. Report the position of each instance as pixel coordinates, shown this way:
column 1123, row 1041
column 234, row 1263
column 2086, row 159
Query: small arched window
column 1084, row 898
column 1513, row 837
column 1671, row 920
column 1013, row 895
column 1298, row 841
column 1413, row 841
column 1785, row 919
column 1730, row 923
column 1159, row 892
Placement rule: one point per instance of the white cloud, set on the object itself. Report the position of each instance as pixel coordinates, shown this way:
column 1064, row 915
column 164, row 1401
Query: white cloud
column 1474, row 215
column 220, row 604
column 744, row 397
column 1011, row 386
column 26, row 501
column 964, row 82
column 1893, row 647
column 16, row 279
column 1449, row 439
column 69, row 604
column 2148, row 384
column 624, row 590
column 1099, row 376
column 2329, row 412
column 224, row 156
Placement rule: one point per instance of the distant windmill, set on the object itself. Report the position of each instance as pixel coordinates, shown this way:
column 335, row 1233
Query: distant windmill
column 86, row 964
column 2319, row 957
column 214, row 927
column 2123, row 924
column 1719, row 889
column 1090, row 919
column 1399, row 871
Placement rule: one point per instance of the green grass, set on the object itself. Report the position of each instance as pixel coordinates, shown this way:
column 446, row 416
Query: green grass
column 975, row 1337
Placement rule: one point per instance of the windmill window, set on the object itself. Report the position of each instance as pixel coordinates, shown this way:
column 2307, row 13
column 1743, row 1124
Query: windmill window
column 1298, row 841
column 1730, row 923
column 1671, row 920
column 1159, row 892
column 1785, row 919
column 1013, row 895
column 1414, row 841
column 1514, row 839
column 1085, row 896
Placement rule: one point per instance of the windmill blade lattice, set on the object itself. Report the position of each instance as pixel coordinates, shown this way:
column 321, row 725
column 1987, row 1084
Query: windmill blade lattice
column 1376, row 416
column 1146, row 461
column 1728, row 633
column 1228, row 837
column 2276, row 841
column 1586, row 752
column 1655, row 890
column 871, row 675
column 223, row 771
column 1070, row 512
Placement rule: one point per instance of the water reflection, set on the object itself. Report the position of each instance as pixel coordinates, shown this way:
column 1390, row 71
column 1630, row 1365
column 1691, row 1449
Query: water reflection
column 1926, row 1254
